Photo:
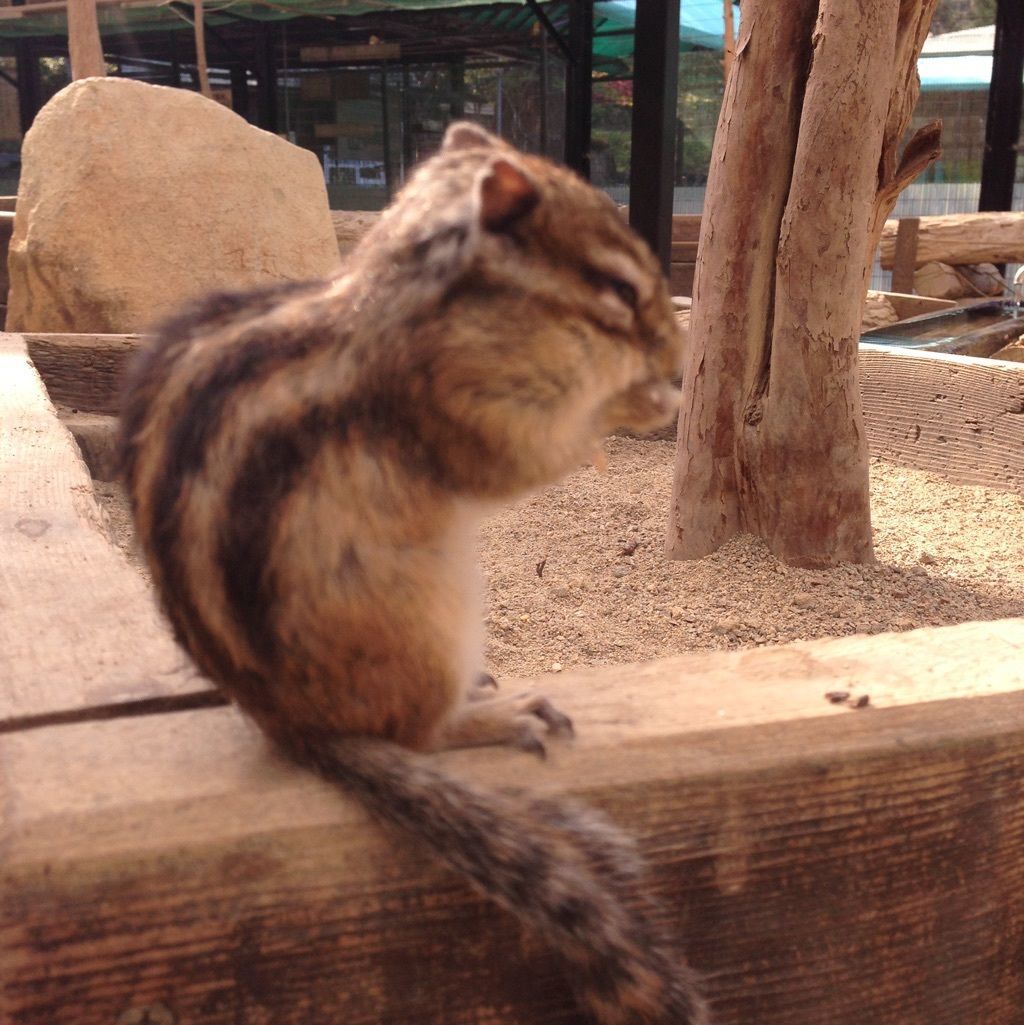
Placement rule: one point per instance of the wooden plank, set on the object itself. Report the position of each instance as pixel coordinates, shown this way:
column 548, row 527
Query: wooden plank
column 83, row 371
column 824, row 864
column 78, row 627
column 686, row 227
column 906, row 254
column 680, row 278
column 32, row 9
column 956, row 416
column 357, row 53
column 684, row 252
column 961, row 238
column 907, row 305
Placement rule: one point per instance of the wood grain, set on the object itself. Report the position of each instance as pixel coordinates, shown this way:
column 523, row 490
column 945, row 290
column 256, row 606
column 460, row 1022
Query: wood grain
column 686, row 227
column 959, row 417
column 81, row 370
column 78, row 627
column 823, row 864
column 991, row 237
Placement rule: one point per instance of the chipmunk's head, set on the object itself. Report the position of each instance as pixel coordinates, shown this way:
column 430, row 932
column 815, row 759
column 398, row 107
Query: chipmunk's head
column 545, row 240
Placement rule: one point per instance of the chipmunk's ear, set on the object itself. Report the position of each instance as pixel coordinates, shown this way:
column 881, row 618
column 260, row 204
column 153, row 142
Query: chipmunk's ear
column 467, row 135
column 507, row 193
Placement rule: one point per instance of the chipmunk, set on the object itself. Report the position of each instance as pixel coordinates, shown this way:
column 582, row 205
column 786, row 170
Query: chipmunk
column 307, row 463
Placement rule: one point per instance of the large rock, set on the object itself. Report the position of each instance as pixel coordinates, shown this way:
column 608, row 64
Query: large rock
column 134, row 197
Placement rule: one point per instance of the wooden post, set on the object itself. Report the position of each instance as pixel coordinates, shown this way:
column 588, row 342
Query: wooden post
column 905, row 262
column 84, row 43
column 729, row 37
column 201, row 68
column 771, row 439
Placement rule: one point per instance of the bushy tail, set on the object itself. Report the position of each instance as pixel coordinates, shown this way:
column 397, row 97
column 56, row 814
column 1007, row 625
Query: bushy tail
column 563, row 870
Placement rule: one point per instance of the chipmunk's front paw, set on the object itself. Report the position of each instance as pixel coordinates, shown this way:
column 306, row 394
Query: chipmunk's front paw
column 523, row 720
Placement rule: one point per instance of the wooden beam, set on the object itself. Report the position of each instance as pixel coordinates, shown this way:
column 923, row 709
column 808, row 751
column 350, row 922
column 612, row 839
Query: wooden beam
column 816, row 860
column 820, row 863
column 84, row 44
column 53, row 6
column 1005, row 98
column 956, row 416
column 83, row 371
column 686, row 227
column 78, row 626
column 906, row 304
column 996, row 237
column 653, row 146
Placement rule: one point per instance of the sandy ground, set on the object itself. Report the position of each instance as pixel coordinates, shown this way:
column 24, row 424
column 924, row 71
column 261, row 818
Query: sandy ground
column 946, row 554
column 576, row 575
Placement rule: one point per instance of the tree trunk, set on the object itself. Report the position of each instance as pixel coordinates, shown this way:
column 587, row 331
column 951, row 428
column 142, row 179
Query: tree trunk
column 771, row 439
column 84, row 43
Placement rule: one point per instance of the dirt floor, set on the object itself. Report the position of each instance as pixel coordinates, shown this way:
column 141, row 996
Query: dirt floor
column 576, row 575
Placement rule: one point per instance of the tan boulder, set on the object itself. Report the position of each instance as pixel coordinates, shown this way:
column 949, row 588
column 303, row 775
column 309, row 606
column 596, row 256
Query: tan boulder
column 939, row 280
column 982, row 279
column 134, row 197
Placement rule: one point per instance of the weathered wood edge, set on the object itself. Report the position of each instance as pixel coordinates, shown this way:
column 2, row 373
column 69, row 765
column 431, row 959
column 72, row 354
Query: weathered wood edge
column 956, row 416
column 952, row 415
column 78, row 626
column 863, row 864
column 83, row 371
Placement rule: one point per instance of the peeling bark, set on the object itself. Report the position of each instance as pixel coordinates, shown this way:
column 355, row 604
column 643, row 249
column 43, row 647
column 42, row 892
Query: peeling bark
column 771, row 439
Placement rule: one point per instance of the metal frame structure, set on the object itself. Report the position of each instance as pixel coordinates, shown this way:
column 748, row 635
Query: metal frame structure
column 655, row 96
column 1003, row 124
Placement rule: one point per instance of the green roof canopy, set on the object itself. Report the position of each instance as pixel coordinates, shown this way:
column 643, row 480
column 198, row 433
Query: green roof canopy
column 700, row 23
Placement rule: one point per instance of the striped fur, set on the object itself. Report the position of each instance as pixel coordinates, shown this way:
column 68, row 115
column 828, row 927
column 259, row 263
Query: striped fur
column 307, row 464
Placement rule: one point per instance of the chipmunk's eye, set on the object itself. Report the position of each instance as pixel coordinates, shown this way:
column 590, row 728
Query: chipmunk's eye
column 624, row 291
